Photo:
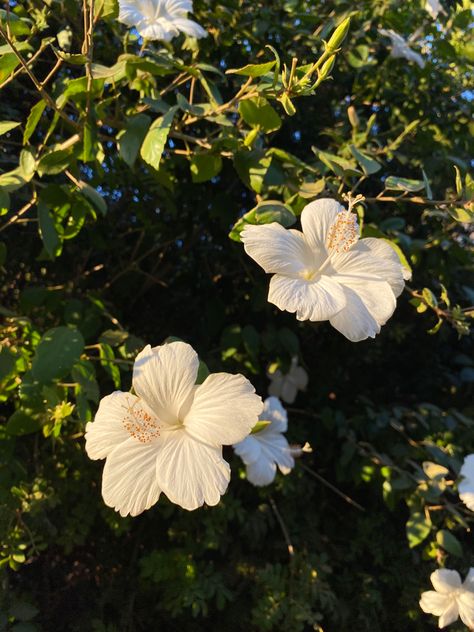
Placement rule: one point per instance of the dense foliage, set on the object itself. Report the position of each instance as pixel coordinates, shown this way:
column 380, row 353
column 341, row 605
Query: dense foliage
column 125, row 166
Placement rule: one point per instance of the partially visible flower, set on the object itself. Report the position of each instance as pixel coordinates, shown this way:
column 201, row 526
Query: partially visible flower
column 466, row 486
column 401, row 49
column 169, row 436
column 327, row 272
column 434, row 7
column 286, row 385
column 299, row 450
column 160, row 19
column 263, row 451
column 450, row 599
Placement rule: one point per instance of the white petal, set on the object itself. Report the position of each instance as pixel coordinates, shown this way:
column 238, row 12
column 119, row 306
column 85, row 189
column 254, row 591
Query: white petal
column 377, row 296
column 164, row 377
column 468, row 583
column 129, row 482
column 189, row 472
column 262, row 472
column 355, row 321
column 224, row 410
column 157, row 31
column 465, row 601
column 107, row 431
column 191, row 28
column 466, row 485
column 375, row 258
column 276, row 383
column 445, row 581
column 289, row 390
column 450, row 615
column 467, row 498
column 315, row 301
column 249, row 449
column 467, row 469
column 276, row 249
column 275, row 448
column 435, row 603
column 316, row 219
column 273, row 411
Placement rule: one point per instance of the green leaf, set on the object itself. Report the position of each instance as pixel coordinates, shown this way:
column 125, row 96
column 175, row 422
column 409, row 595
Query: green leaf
column 429, row 297
column 47, row 230
column 449, row 543
column 369, row 165
column 33, row 120
column 252, row 70
column 259, row 113
column 404, row 184
column 287, row 104
column 131, row 138
column 259, row 426
column 17, row 26
column 264, row 213
column 7, row 362
column 23, row 611
column 202, row 373
column 106, row 9
column 6, row 126
column 155, row 140
column 418, row 528
column 107, row 358
column 429, row 193
column 4, row 202
column 83, row 373
column 459, row 184
column 462, row 215
column 56, row 353
column 22, row 423
column 8, row 63
column 54, row 162
column 310, row 190
column 205, row 166
column 433, row 470
column 93, row 196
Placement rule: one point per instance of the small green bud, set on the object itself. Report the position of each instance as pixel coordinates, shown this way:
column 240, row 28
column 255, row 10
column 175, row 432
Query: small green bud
column 352, row 115
column 326, row 68
column 339, row 35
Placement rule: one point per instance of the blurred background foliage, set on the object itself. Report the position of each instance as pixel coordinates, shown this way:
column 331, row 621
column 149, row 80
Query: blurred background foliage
column 125, row 166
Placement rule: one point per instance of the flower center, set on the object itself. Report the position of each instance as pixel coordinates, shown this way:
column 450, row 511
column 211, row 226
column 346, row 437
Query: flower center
column 343, row 232
column 308, row 274
column 140, row 424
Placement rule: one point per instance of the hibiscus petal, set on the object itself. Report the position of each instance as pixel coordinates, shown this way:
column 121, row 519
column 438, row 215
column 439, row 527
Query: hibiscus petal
column 371, row 258
column 316, row 220
column 275, row 448
column 262, row 472
column 445, row 581
column 189, row 472
column 468, row 583
column 107, row 431
column 157, row 31
column 314, row 301
column 450, row 615
column 273, row 411
column 435, row 603
column 355, row 321
column 249, row 449
column 377, row 296
column 164, row 377
column 465, row 602
column 191, row 28
column 276, row 249
column 129, row 482
column 225, row 408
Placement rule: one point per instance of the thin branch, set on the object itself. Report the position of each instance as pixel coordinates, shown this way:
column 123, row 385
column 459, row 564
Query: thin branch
column 286, row 535
column 21, row 212
column 35, row 81
column 337, row 491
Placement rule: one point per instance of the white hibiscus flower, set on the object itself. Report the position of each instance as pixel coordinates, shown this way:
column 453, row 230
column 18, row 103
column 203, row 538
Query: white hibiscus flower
column 286, row 385
column 327, row 272
column 169, row 436
column 263, row 451
column 466, row 486
column 160, row 19
column 450, row 599
column 401, row 49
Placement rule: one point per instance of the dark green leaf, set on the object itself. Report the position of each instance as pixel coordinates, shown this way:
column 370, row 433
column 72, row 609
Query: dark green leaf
column 56, row 353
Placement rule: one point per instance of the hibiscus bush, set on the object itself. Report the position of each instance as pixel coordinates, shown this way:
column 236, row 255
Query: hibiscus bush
column 155, row 157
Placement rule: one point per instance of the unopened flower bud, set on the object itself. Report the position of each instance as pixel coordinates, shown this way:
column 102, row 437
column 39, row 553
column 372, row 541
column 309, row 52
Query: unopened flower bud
column 326, row 68
column 339, row 35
